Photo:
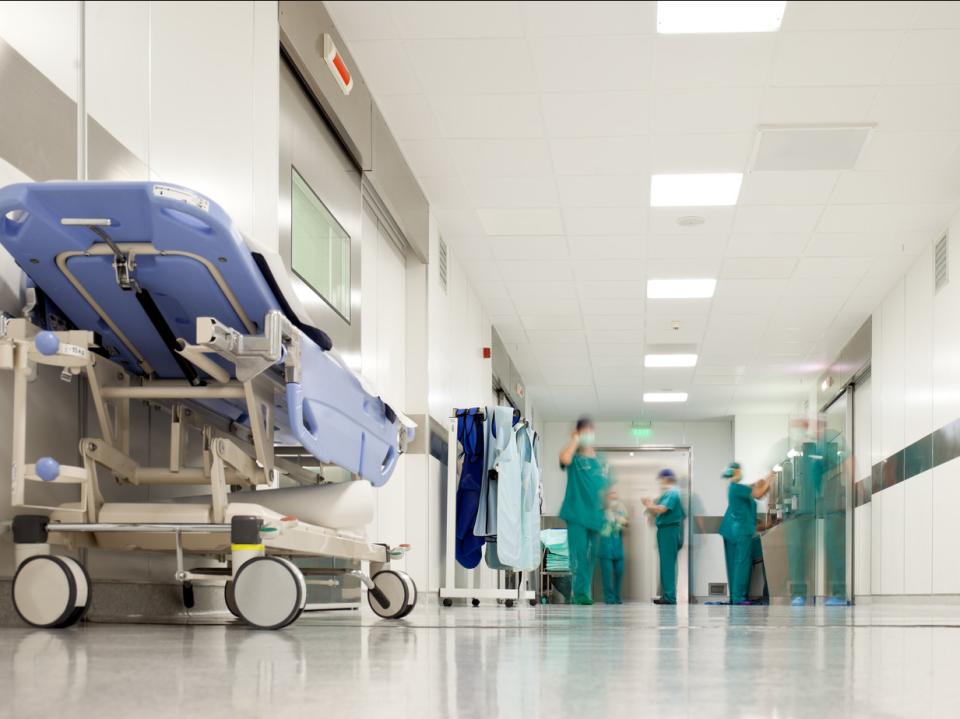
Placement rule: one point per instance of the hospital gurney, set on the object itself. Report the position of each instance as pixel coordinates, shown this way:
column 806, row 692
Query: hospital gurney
column 149, row 292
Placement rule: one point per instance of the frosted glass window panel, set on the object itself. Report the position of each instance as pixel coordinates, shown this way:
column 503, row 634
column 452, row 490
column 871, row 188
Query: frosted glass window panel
column 320, row 247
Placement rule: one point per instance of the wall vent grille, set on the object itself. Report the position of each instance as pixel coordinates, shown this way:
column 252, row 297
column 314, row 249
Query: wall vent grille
column 941, row 273
column 443, row 265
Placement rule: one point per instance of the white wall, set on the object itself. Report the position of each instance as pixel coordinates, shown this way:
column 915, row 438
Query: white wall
column 915, row 389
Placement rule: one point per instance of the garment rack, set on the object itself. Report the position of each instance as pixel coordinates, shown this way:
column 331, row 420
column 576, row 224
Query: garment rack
column 450, row 591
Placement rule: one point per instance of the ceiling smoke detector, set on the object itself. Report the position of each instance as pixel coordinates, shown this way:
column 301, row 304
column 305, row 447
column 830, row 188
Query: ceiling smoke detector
column 690, row 220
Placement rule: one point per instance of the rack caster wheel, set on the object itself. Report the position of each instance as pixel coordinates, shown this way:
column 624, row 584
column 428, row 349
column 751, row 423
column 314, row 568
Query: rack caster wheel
column 544, row 600
column 533, row 602
column 475, row 602
column 51, row 592
column 229, row 600
column 397, row 594
column 447, row 602
column 508, row 603
column 189, row 600
column 268, row 592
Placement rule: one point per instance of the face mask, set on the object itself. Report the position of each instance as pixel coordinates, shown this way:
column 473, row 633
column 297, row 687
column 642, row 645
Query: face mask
column 587, row 439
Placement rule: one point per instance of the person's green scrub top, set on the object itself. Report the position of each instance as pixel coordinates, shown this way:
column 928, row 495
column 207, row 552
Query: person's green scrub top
column 740, row 519
column 585, row 498
column 674, row 514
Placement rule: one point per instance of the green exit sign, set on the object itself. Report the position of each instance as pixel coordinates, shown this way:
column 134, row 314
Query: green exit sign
column 641, row 431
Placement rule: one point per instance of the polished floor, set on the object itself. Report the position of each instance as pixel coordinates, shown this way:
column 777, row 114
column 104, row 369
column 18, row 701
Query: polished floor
column 594, row 662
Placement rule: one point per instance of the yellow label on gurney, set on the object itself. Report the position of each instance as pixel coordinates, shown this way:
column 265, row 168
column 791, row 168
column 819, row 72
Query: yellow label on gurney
column 246, row 547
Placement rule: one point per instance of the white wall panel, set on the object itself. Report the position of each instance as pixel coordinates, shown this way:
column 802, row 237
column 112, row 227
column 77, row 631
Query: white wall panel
column 862, row 543
column 45, row 33
column 893, row 371
column 862, row 429
column 918, row 534
column 877, row 367
column 918, row 344
column 876, row 540
column 946, row 339
column 892, row 540
column 945, row 523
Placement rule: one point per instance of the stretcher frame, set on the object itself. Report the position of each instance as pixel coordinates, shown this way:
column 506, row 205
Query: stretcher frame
column 232, row 456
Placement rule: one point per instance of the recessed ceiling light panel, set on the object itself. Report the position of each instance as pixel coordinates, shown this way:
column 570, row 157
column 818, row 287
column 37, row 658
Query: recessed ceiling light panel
column 670, row 360
column 707, row 189
column 664, row 396
column 688, row 289
column 718, row 17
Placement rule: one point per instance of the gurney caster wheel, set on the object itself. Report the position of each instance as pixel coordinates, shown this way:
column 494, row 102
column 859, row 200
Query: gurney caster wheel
column 269, row 592
column 533, row 602
column 447, row 602
column 229, row 600
column 475, row 602
column 509, row 603
column 51, row 591
column 398, row 594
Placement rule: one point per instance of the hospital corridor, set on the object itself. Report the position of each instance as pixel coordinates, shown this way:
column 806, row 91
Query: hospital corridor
column 508, row 358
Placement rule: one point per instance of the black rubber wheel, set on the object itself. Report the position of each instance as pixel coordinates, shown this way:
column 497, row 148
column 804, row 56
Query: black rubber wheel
column 189, row 599
column 533, row 602
column 475, row 602
column 508, row 603
column 447, row 602
column 229, row 600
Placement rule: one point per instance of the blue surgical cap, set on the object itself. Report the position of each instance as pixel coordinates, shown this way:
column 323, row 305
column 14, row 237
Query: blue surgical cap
column 667, row 474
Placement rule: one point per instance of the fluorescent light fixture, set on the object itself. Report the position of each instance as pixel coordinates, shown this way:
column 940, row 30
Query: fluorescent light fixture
column 716, row 17
column 690, row 289
column 698, row 189
column 777, row 468
column 670, row 360
column 664, row 396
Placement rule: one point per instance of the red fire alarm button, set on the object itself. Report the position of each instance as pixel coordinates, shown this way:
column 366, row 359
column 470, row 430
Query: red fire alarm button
column 486, row 353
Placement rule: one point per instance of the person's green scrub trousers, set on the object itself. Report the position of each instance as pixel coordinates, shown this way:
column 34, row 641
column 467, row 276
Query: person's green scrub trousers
column 668, row 544
column 582, row 510
column 737, row 529
column 583, row 553
column 610, row 552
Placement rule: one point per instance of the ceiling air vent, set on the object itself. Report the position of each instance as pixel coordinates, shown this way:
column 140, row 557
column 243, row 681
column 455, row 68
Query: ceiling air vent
column 443, row 265
column 941, row 275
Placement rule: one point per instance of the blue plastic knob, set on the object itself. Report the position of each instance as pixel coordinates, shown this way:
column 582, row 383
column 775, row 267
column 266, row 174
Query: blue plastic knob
column 47, row 343
column 48, row 469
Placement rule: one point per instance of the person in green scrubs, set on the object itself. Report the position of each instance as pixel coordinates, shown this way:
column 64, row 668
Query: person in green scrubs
column 668, row 510
column 583, row 506
column 738, row 527
column 610, row 552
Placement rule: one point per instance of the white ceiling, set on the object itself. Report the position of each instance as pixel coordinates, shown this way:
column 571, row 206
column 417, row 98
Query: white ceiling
column 534, row 127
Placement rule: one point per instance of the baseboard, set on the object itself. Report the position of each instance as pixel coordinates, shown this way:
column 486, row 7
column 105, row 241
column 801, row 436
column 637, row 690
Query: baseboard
column 911, row 599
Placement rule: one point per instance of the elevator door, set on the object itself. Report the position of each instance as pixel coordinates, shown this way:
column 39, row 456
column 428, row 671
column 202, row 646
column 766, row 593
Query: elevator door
column 635, row 474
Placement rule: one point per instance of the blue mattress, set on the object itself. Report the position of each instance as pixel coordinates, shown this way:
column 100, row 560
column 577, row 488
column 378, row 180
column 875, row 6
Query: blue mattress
column 189, row 260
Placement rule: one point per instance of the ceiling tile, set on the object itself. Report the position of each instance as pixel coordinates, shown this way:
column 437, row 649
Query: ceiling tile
column 753, row 289
column 458, row 223
column 787, row 188
column 885, row 218
column 632, row 351
column 386, row 67
column 615, row 322
column 624, row 334
column 666, row 220
column 604, row 190
column 743, row 268
column 511, row 192
column 486, row 290
column 936, row 15
column 521, row 221
column 600, row 155
column 596, row 114
column 605, row 18
column 488, row 116
column 627, row 290
column 552, row 322
column 678, row 309
column 847, row 15
column 544, row 298
column 811, row 105
column 509, row 329
column 457, row 20
column 766, row 244
column 661, row 329
column 568, row 375
column 607, row 248
column 597, row 270
column 740, row 59
column 605, row 221
column 906, row 151
column 470, row 248
column 703, row 152
column 617, row 63
column 866, row 244
column 932, row 186
column 535, row 270
column 706, row 110
column 531, row 247
column 679, row 246
column 364, row 21
column 777, row 218
column 556, row 336
column 834, row 58
column 927, row 57
column 484, row 271
column 500, row 158
column 499, row 306
column 444, row 192
column 465, row 66
column 681, row 268
column 850, row 269
column 409, row 116
column 917, row 107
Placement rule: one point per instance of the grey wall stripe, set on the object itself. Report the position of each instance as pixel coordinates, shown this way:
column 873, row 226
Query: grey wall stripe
column 938, row 447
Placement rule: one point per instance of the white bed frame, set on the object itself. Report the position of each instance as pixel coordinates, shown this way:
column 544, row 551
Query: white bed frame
column 232, row 456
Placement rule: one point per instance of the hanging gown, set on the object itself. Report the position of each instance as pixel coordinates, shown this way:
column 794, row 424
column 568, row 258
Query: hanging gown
column 517, row 545
column 496, row 442
column 530, row 547
column 470, row 437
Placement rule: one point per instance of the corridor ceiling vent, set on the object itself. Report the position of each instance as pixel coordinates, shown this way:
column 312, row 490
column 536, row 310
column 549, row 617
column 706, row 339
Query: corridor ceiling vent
column 681, row 289
column 703, row 189
column 781, row 148
column 650, row 397
column 718, row 17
